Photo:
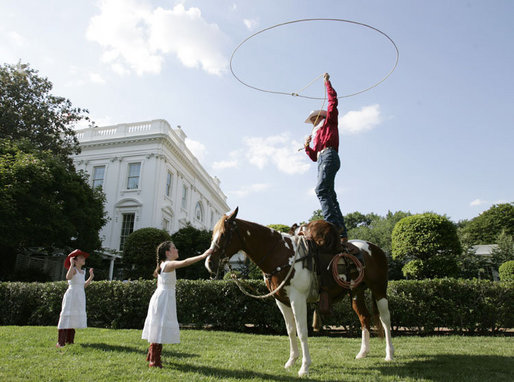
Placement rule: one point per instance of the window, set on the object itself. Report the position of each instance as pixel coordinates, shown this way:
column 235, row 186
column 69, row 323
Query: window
column 199, row 212
column 184, row 196
column 133, row 176
column 169, row 178
column 98, row 176
column 127, row 227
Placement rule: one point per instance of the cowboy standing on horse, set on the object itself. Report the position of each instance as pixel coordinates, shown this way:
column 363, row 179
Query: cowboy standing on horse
column 324, row 150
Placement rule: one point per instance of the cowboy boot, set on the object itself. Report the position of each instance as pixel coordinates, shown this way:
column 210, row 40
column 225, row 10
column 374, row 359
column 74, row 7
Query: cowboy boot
column 155, row 357
column 158, row 362
column 324, row 303
column 70, row 336
column 149, row 354
column 61, row 338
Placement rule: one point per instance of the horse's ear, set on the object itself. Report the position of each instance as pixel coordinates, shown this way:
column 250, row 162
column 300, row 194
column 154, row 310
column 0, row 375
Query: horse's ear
column 233, row 215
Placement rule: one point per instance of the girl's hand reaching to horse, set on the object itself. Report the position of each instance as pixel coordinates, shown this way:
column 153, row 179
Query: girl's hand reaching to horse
column 91, row 273
column 207, row 253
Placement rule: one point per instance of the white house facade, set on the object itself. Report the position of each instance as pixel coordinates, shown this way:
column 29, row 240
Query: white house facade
column 150, row 179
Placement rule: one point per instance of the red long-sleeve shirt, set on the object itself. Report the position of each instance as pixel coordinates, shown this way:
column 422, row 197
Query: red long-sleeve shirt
column 328, row 134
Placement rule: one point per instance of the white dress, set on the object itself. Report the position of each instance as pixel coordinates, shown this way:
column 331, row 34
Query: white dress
column 161, row 325
column 73, row 311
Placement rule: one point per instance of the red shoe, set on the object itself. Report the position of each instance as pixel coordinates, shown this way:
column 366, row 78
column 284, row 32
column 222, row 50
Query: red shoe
column 61, row 338
column 149, row 355
column 155, row 357
column 70, row 336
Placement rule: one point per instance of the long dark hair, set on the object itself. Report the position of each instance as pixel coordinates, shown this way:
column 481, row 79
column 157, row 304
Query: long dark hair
column 160, row 255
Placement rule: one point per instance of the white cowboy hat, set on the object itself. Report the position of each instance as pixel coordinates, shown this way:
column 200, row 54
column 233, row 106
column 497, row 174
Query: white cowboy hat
column 314, row 113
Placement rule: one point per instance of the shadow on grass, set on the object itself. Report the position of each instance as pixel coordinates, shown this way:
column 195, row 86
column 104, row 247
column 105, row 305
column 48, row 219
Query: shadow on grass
column 131, row 349
column 242, row 374
column 452, row 367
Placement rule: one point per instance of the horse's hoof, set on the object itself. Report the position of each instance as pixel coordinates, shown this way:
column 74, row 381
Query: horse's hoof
column 361, row 355
column 303, row 373
column 290, row 363
column 389, row 354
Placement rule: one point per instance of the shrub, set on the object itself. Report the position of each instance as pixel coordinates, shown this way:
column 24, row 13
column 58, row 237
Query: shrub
column 424, row 307
column 139, row 252
column 506, row 271
column 431, row 241
column 190, row 242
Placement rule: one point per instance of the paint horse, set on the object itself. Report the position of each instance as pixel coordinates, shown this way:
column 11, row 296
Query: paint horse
column 274, row 252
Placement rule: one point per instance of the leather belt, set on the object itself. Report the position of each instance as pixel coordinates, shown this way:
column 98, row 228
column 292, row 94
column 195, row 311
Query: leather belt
column 325, row 150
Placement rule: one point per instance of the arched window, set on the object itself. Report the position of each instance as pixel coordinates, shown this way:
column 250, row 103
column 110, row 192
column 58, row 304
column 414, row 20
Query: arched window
column 199, row 212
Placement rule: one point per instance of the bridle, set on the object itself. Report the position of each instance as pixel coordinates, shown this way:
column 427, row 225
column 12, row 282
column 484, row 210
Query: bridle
column 230, row 227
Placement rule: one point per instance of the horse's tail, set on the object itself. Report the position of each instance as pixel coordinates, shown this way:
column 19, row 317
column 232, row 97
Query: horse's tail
column 376, row 318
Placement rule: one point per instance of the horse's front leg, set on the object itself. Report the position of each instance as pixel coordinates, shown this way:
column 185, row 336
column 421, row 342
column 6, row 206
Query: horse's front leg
column 287, row 312
column 299, row 306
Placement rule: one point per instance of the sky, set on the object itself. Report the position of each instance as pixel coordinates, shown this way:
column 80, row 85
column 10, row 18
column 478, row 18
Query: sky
column 436, row 135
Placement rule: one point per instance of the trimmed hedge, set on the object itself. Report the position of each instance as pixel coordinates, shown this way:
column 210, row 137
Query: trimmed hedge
column 424, row 307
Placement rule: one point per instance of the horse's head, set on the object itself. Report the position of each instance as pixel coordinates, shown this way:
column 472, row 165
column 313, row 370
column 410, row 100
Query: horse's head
column 222, row 244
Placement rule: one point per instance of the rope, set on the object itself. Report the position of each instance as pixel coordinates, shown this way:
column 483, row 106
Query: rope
column 319, row 112
column 335, row 273
column 240, row 285
column 309, row 84
column 306, row 20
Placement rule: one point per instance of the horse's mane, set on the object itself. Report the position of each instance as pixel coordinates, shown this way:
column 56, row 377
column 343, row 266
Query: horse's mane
column 220, row 226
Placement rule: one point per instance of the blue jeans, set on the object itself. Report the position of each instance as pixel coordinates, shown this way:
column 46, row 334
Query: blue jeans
column 328, row 165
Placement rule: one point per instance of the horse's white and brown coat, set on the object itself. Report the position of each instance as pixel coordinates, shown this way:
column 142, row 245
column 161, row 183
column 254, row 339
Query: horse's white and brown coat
column 269, row 249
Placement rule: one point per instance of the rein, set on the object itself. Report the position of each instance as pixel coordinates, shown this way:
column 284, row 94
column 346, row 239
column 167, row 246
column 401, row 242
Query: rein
column 277, row 289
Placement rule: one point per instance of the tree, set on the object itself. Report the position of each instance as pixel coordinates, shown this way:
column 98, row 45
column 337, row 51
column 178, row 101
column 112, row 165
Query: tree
column 472, row 265
column 377, row 229
column 139, row 252
column 505, row 250
column 357, row 219
column 280, row 227
column 485, row 228
column 316, row 215
column 191, row 241
column 44, row 203
column 429, row 244
column 28, row 111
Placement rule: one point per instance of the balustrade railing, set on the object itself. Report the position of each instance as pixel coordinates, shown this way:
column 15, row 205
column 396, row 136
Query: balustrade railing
column 142, row 128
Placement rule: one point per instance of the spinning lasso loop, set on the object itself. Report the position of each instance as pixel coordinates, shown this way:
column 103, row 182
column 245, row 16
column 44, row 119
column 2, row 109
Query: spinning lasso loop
column 297, row 93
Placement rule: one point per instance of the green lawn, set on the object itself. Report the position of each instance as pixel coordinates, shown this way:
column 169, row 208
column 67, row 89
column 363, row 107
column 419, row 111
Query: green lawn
column 29, row 354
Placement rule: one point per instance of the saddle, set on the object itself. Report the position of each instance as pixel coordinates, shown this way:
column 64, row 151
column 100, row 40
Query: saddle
column 320, row 262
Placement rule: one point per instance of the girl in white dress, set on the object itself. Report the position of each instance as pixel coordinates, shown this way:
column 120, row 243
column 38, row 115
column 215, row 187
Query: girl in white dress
column 73, row 311
column 161, row 325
